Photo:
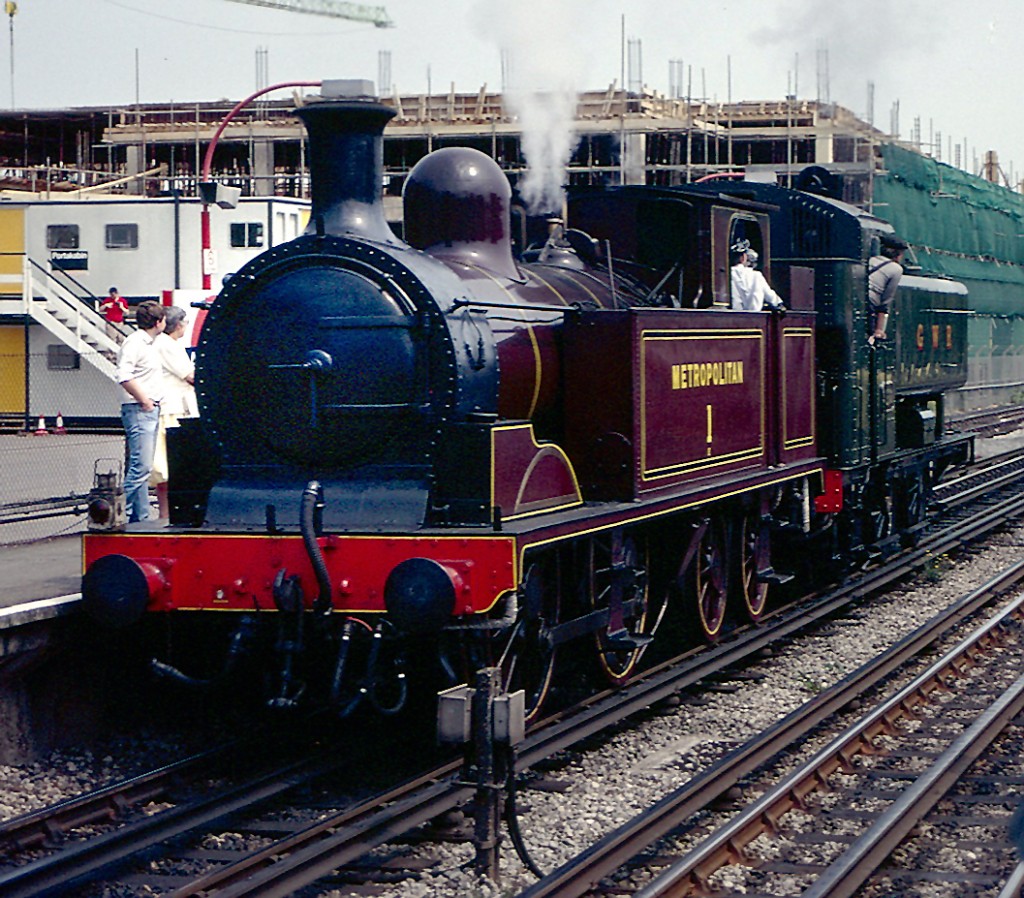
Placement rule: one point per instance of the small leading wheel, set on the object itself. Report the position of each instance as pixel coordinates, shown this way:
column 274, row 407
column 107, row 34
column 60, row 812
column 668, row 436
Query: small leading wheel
column 617, row 580
column 709, row 583
column 754, row 553
column 528, row 660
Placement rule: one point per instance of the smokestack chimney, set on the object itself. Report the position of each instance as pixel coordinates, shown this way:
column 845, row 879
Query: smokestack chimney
column 346, row 167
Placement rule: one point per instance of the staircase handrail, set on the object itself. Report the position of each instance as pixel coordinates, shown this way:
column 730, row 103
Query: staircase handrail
column 76, row 303
column 48, row 275
column 84, row 300
column 86, row 294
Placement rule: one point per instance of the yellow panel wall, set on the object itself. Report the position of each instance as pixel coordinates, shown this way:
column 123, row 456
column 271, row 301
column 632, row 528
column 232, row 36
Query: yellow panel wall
column 12, row 370
column 12, row 250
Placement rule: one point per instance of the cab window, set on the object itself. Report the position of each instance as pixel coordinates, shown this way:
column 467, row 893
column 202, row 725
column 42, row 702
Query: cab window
column 62, row 236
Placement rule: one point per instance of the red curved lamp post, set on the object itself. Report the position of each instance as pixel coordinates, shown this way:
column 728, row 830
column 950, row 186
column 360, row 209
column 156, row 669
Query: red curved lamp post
column 204, row 220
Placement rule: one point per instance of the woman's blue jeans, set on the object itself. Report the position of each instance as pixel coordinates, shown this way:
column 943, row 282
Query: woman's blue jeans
column 140, row 429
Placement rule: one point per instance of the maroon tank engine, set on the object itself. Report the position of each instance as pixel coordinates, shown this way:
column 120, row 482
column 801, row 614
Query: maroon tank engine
column 438, row 441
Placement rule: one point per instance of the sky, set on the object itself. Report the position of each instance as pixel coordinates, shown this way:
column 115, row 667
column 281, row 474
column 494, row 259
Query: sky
column 954, row 66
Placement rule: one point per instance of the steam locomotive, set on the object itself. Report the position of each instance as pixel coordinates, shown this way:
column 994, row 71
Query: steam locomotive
column 436, row 443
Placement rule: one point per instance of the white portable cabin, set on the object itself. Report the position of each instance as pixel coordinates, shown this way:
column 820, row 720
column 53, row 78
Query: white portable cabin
column 145, row 246
column 59, row 258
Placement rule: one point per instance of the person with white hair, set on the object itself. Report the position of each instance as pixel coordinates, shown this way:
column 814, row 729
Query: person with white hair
column 179, row 396
column 751, row 291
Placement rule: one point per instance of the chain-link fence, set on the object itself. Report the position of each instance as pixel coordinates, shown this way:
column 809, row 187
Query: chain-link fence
column 59, row 421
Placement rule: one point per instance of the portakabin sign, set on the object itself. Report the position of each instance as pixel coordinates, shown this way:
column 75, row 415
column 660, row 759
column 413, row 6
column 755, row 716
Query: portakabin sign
column 69, row 260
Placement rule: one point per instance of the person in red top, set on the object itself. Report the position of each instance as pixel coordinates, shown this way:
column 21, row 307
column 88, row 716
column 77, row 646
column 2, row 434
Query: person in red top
column 113, row 309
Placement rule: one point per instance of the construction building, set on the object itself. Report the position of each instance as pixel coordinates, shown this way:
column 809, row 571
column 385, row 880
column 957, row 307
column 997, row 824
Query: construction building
column 623, row 138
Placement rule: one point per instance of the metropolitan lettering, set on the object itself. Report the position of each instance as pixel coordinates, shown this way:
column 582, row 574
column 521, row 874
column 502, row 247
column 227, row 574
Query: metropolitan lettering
column 706, row 374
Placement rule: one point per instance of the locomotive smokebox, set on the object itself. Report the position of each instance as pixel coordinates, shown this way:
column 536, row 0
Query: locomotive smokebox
column 346, row 166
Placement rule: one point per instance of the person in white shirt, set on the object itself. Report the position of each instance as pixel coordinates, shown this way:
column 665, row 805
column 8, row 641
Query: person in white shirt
column 140, row 374
column 179, row 396
column 750, row 289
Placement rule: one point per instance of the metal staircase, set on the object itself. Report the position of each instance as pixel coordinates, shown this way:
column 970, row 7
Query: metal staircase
column 70, row 319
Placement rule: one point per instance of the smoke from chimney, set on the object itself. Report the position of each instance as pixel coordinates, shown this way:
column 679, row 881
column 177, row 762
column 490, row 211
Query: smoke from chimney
column 543, row 44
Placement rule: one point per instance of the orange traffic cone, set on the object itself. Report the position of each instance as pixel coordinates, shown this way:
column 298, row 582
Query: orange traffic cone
column 41, row 430
column 60, row 428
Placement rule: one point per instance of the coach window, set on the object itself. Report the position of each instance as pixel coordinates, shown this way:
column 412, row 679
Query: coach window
column 246, row 233
column 62, row 236
column 122, row 236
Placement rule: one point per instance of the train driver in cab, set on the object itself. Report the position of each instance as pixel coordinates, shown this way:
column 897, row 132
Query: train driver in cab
column 750, row 289
column 884, row 273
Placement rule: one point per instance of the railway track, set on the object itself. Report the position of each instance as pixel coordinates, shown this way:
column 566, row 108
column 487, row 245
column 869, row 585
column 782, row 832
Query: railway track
column 989, row 422
column 185, row 798
column 296, row 854
column 983, row 477
column 905, row 770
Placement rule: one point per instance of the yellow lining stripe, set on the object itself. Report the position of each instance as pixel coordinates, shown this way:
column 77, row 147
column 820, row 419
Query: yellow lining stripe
column 575, row 283
column 521, row 308
column 559, row 450
column 525, row 547
column 806, row 440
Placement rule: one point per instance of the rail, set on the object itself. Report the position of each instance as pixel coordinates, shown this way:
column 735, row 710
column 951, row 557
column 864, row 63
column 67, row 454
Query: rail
column 40, row 509
column 43, row 181
column 842, row 878
column 334, row 840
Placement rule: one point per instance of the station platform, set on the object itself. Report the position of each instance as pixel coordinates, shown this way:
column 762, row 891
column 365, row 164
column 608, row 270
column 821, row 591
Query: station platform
column 39, row 580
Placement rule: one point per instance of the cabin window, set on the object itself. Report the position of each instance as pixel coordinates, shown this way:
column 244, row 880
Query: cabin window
column 122, row 236
column 62, row 236
column 61, row 358
column 247, row 233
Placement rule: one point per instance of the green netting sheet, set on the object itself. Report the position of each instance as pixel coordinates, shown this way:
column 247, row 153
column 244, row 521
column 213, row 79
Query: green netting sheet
column 959, row 225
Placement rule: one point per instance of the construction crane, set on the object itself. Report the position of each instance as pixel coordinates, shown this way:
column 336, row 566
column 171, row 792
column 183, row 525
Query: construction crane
column 376, row 15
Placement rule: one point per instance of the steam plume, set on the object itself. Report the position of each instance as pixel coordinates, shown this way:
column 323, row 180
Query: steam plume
column 542, row 42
